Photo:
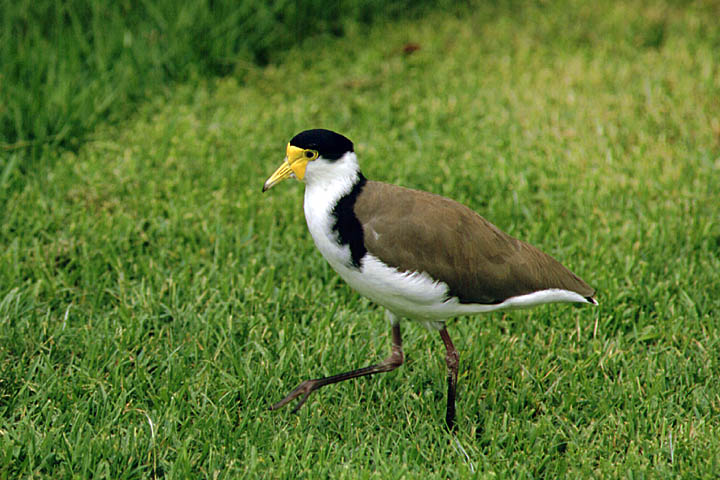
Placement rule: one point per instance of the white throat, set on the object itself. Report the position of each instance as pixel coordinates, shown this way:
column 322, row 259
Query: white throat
column 326, row 182
column 330, row 173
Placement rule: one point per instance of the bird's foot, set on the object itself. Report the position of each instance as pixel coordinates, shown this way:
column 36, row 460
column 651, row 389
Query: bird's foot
column 305, row 389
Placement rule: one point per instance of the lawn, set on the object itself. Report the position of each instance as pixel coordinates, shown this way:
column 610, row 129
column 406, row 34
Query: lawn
column 154, row 303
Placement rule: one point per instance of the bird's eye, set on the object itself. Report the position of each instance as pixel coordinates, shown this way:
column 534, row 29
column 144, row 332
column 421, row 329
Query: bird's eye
column 309, row 153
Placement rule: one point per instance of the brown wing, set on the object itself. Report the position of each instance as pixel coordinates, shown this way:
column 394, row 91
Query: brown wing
column 418, row 231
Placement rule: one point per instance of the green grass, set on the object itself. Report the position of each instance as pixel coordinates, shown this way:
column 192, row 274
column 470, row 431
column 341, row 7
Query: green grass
column 72, row 64
column 153, row 302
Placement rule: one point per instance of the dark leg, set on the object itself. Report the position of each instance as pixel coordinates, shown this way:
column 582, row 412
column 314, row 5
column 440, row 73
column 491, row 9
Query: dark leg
column 308, row 386
column 452, row 359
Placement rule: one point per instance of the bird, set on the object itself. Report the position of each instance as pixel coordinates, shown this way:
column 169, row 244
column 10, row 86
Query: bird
column 421, row 256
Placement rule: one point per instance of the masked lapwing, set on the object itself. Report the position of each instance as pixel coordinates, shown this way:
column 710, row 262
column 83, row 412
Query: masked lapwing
column 421, row 256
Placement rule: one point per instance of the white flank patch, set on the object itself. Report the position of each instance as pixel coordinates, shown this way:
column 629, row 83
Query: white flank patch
column 413, row 295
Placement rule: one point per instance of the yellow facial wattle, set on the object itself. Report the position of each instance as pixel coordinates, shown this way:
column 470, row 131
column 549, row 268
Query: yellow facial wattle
column 295, row 163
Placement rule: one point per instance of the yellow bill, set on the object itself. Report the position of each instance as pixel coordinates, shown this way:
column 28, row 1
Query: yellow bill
column 295, row 163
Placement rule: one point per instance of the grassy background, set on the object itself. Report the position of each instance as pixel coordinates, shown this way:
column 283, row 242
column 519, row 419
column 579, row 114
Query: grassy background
column 153, row 302
column 69, row 65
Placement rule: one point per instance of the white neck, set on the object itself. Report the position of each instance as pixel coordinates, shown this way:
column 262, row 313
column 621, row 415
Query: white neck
column 330, row 172
column 326, row 182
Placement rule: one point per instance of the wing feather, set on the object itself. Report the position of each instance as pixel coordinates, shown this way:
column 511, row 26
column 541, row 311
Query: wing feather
column 413, row 230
